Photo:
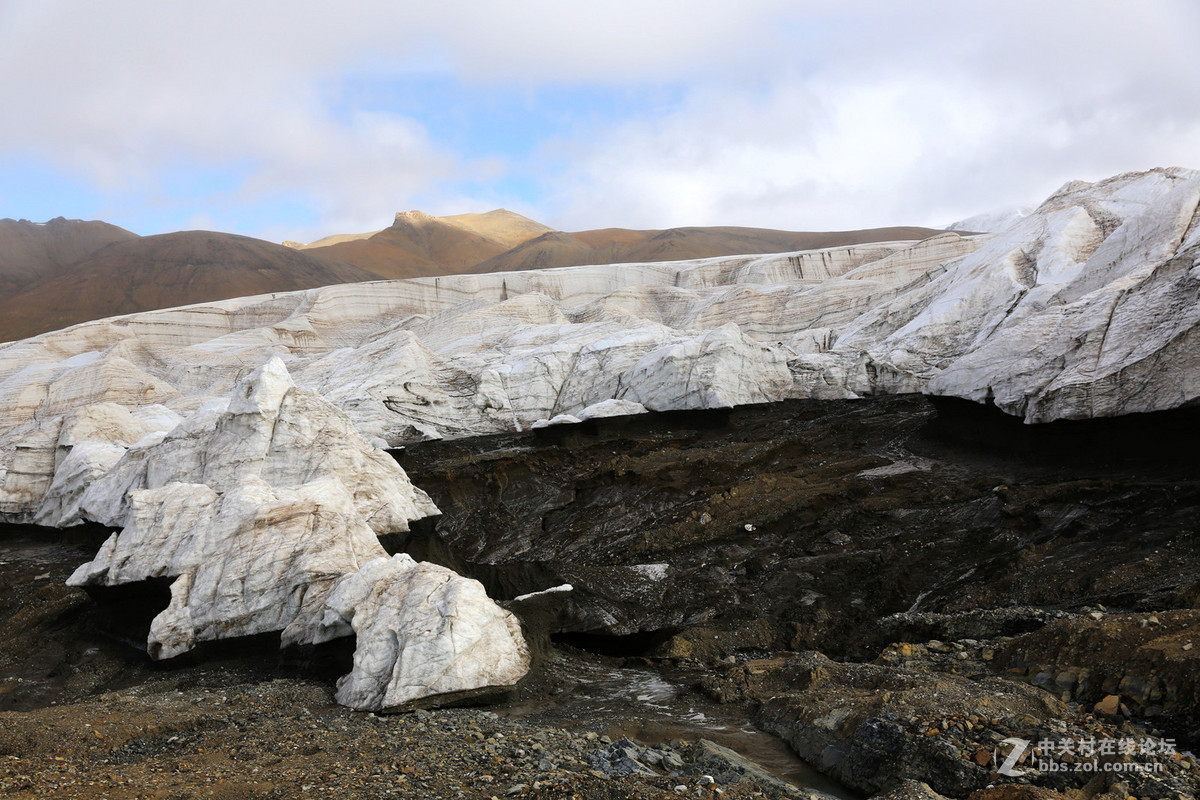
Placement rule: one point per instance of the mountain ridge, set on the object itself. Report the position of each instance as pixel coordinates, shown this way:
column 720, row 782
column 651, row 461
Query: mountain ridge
column 30, row 251
column 163, row 271
column 623, row 245
column 64, row 272
column 417, row 242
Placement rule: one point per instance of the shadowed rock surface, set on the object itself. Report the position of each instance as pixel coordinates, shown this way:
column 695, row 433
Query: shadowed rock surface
column 811, row 520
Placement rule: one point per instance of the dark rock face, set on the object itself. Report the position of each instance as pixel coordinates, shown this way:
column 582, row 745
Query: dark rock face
column 876, row 727
column 858, row 722
column 1150, row 663
column 802, row 524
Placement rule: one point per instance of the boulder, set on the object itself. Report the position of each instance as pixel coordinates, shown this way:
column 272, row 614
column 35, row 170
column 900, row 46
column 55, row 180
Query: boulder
column 422, row 632
column 873, row 727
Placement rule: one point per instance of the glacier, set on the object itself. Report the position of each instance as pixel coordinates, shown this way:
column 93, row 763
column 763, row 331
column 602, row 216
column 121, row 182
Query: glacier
column 237, row 444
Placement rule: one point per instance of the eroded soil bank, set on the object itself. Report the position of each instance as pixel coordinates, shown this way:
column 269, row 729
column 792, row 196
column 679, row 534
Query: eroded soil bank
column 892, row 592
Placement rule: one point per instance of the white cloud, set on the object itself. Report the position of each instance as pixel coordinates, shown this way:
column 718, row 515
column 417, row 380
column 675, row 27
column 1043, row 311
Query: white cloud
column 122, row 92
column 813, row 115
column 910, row 117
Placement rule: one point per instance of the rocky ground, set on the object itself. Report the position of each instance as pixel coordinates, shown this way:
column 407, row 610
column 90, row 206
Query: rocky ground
column 893, row 593
column 85, row 715
column 242, row 736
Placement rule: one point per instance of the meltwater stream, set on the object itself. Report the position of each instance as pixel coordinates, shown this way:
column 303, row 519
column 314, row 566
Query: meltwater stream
column 653, row 706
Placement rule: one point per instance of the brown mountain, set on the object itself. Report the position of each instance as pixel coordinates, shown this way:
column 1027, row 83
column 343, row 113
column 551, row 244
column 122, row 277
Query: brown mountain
column 163, row 271
column 618, row 245
column 419, row 244
column 503, row 226
column 67, row 271
column 30, row 251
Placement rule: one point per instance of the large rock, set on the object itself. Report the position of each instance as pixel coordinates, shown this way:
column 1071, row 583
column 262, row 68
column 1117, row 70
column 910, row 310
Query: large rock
column 422, row 631
column 873, row 727
column 1149, row 663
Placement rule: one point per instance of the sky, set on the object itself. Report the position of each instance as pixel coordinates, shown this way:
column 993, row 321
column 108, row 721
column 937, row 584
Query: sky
column 290, row 119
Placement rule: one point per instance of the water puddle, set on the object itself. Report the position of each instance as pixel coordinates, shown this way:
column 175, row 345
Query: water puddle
column 652, row 707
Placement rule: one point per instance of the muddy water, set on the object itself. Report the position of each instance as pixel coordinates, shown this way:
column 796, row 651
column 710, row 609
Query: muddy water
column 653, row 706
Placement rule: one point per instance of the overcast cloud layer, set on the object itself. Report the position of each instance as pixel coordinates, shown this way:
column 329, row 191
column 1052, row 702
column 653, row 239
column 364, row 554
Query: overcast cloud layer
column 300, row 119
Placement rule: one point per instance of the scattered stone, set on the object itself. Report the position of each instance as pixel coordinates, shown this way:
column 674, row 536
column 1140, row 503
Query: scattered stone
column 619, row 758
column 1109, row 706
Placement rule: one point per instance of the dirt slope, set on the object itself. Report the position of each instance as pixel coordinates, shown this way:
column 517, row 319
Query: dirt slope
column 30, row 251
column 503, row 226
column 163, row 271
column 415, row 244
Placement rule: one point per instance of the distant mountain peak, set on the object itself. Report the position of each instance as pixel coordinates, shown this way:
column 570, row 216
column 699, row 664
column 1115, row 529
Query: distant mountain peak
column 413, row 216
column 33, row 251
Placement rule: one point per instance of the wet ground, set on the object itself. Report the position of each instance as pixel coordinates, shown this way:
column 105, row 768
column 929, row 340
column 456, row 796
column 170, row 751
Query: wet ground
column 655, row 705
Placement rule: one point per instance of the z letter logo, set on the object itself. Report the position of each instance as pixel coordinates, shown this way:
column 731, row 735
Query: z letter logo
column 1009, row 766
